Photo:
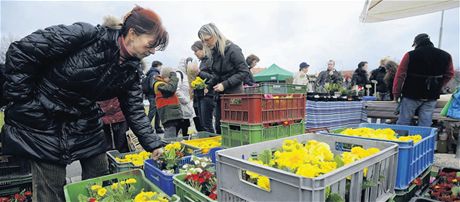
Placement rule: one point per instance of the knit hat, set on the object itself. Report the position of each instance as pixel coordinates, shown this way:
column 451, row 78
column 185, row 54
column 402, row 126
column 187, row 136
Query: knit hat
column 303, row 65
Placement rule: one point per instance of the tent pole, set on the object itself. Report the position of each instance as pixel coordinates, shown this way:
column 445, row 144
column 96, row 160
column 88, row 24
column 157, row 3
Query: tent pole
column 440, row 29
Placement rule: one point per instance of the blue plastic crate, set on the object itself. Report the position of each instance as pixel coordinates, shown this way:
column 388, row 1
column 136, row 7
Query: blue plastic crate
column 212, row 153
column 161, row 179
column 413, row 159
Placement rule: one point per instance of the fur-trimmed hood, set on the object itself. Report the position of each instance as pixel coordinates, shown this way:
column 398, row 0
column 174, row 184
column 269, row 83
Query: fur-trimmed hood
column 112, row 22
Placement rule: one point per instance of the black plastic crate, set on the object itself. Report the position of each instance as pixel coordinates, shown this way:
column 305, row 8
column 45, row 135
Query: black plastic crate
column 17, row 185
column 13, row 167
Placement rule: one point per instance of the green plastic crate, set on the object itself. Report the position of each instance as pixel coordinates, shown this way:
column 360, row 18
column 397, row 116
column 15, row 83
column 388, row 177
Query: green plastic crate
column 271, row 88
column 73, row 190
column 297, row 89
column 234, row 134
column 186, row 192
column 116, row 167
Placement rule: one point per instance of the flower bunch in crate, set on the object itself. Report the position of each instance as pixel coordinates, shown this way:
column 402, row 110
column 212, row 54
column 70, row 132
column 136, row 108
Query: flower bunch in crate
column 310, row 159
column 23, row 196
column 446, row 187
column 136, row 159
column 384, row 133
column 169, row 160
column 201, row 176
column 123, row 190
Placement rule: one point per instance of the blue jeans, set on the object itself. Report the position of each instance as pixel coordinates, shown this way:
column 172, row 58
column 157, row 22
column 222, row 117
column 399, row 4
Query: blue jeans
column 207, row 105
column 408, row 108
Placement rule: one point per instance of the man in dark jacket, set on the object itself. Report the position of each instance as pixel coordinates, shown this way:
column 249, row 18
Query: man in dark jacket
column 153, row 72
column 330, row 76
column 378, row 75
column 419, row 79
column 55, row 76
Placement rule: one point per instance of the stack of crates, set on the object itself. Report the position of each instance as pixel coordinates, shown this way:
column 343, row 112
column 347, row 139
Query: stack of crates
column 266, row 112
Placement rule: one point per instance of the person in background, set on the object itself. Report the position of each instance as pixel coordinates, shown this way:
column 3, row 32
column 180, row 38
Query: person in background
column 378, row 75
column 228, row 66
column 191, row 70
column 347, row 84
column 183, row 94
column 168, row 104
column 331, row 76
column 390, row 68
column 252, row 61
column 419, row 79
column 301, row 77
column 360, row 76
column 153, row 72
column 53, row 118
column 115, row 125
column 206, row 100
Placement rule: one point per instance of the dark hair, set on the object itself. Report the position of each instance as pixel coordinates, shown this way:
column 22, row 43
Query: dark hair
column 361, row 64
column 198, row 45
column 251, row 58
column 145, row 21
column 390, row 67
column 156, row 63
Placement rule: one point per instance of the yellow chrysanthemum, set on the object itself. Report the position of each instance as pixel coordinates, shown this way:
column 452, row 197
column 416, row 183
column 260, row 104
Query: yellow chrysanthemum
column 308, row 170
column 263, row 182
column 131, row 181
column 114, row 185
column 96, row 187
column 101, row 191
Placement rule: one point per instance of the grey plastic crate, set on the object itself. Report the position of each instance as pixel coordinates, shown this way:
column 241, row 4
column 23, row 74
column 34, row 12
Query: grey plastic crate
column 286, row 186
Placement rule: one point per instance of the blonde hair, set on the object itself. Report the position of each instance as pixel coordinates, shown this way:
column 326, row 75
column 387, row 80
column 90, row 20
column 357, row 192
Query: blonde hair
column 166, row 71
column 384, row 60
column 210, row 29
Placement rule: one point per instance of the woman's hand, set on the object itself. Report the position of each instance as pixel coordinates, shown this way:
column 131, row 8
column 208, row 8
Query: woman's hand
column 219, row 88
column 157, row 153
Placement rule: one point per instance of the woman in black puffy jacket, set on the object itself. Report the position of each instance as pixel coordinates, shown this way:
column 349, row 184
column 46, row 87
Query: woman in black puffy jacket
column 228, row 65
column 55, row 76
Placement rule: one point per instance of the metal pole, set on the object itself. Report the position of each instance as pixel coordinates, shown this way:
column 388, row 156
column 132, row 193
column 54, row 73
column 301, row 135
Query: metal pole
column 440, row 29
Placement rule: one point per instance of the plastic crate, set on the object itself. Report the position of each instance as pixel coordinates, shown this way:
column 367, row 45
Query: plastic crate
column 267, row 88
column 13, row 167
column 161, row 179
column 286, row 186
column 188, row 143
column 261, row 108
column 413, row 159
column 71, row 191
column 410, row 192
column 186, row 192
column 235, row 134
column 424, row 195
column 116, row 167
column 16, row 185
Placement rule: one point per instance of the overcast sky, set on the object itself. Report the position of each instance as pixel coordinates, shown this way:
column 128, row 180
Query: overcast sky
column 281, row 32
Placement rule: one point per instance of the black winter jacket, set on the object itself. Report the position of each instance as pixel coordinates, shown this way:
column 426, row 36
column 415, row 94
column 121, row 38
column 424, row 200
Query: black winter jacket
column 229, row 70
column 54, row 78
column 360, row 77
column 378, row 75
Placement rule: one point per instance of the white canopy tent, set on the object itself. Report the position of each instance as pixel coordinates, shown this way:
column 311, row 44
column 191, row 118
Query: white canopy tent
column 383, row 10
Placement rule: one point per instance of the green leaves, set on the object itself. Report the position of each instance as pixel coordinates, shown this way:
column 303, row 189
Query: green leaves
column 265, row 156
column 339, row 161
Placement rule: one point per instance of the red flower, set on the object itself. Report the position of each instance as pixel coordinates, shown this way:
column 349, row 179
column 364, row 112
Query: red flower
column 92, row 200
column 28, row 193
column 213, row 196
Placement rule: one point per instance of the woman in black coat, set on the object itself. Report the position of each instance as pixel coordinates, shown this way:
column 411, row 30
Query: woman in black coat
column 360, row 76
column 54, row 78
column 228, row 66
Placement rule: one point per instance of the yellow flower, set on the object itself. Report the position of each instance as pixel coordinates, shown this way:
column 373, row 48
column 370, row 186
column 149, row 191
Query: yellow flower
column 308, row 170
column 150, row 194
column 263, row 182
column 163, row 199
column 101, row 191
column 131, row 181
column 114, row 185
column 95, row 187
column 122, row 183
